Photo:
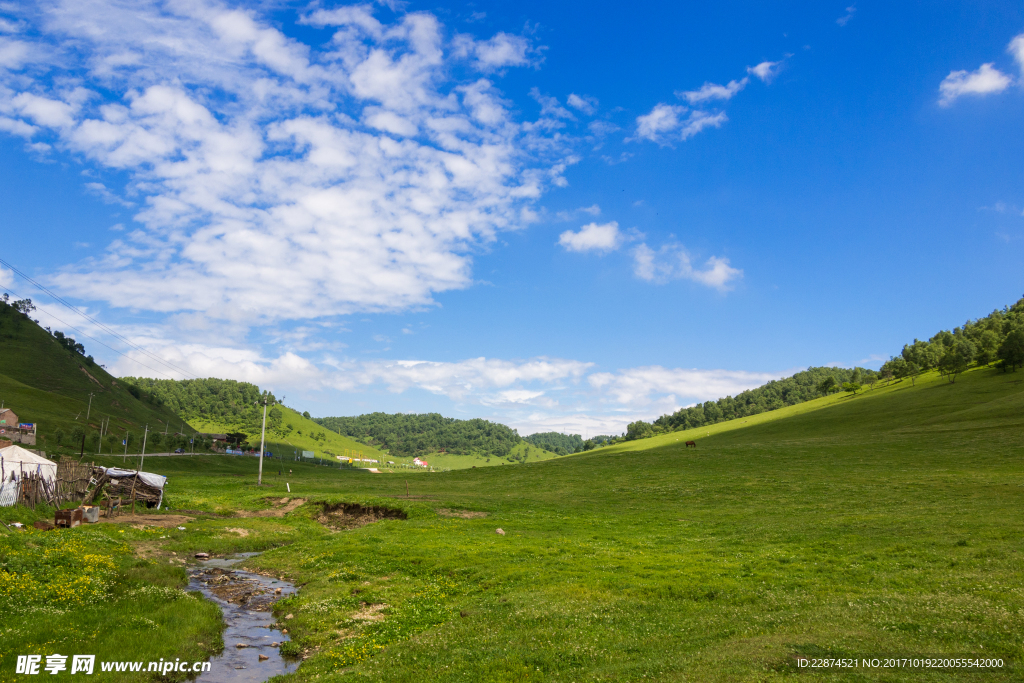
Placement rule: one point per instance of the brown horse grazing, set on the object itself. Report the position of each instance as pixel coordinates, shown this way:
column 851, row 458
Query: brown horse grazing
column 691, row 443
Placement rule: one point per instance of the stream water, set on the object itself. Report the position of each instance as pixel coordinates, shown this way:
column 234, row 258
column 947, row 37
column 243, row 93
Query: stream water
column 247, row 601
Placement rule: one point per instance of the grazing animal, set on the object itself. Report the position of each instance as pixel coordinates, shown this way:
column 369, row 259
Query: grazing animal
column 691, row 443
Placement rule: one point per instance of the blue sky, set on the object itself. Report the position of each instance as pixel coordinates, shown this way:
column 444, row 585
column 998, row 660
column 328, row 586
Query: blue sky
column 554, row 216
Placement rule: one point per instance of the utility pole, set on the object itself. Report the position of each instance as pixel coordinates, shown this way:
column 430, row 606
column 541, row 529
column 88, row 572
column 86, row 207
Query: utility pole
column 263, row 436
column 88, row 410
column 125, row 458
column 143, row 459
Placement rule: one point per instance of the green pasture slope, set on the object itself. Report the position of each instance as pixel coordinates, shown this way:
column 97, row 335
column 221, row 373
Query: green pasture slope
column 302, row 435
column 328, row 443
column 883, row 523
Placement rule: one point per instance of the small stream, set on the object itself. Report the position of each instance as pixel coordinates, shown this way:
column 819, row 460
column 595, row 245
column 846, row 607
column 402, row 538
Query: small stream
column 247, row 601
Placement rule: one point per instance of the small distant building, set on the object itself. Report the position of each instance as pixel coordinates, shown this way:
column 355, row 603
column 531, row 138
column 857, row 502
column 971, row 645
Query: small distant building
column 215, row 437
column 8, row 420
column 11, row 429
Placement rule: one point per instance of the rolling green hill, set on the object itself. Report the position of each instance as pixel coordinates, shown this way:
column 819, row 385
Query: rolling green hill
column 49, row 382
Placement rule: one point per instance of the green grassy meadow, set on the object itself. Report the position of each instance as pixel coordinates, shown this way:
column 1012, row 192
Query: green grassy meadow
column 883, row 523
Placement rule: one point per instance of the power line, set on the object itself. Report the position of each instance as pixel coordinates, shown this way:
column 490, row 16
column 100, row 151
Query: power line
column 72, row 327
column 100, row 325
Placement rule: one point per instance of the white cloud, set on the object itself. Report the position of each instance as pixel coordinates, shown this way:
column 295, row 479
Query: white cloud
column 501, row 51
column 6, row 277
column 479, row 380
column 766, row 71
column 592, row 210
column 637, row 387
column 108, row 197
column 14, row 54
column 535, row 394
column 713, row 91
column 672, row 262
column 17, row 127
column 699, row 120
column 662, row 119
column 984, row 81
column 592, row 237
column 845, row 19
column 583, row 103
column 550, row 106
column 1016, row 48
column 666, row 123
column 601, row 128
column 247, row 146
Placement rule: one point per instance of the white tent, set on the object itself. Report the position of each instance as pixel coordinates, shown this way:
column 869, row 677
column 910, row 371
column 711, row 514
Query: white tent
column 15, row 461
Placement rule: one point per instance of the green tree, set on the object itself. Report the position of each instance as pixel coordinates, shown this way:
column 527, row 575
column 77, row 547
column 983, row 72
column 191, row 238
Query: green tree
column 957, row 357
column 921, row 353
column 911, row 370
column 827, row 385
column 858, row 377
column 638, row 430
column 987, row 344
column 1011, row 351
column 851, row 387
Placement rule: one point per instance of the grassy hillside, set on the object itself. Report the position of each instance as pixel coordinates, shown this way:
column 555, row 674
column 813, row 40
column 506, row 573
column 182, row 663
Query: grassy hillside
column 883, row 523
column 924, row 406
column 44, row 382
column 298, row 433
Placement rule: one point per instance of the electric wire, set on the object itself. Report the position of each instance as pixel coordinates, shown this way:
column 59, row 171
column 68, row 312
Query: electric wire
column 99, row 324
column 72, row 327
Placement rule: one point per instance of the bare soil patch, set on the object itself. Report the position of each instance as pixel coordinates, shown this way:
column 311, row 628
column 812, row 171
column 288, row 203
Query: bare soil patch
column 166, row 521
column 281, row 508
column 352, row 515
column 463, row 514
column 369, row 612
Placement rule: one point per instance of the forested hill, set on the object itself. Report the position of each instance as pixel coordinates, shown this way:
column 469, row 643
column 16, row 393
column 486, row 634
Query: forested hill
column 556, row 442
column 997, row 338
column 210, row 400
column 409, row 435
column 803, row 386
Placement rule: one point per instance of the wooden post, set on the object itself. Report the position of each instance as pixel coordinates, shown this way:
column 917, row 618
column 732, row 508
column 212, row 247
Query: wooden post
column 133, row 490
column 407, row 488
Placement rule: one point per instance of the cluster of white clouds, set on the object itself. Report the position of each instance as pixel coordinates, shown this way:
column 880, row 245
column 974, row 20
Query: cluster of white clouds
column 273, row 179
column 667, row 123
column 673, row 262
column 352, row 175
column 670, row 262
column 533, row 394
column 985, row 80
